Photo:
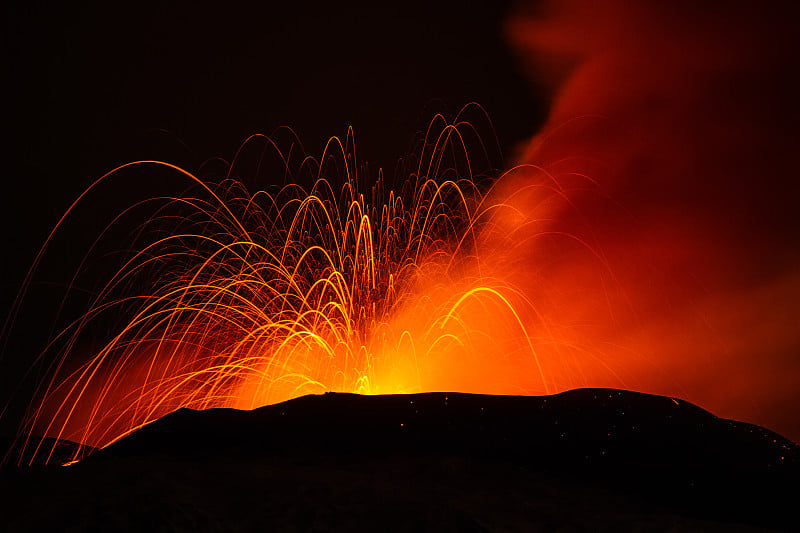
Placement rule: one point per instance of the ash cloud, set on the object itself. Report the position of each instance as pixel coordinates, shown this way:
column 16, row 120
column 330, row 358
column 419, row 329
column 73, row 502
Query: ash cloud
column 673, row 133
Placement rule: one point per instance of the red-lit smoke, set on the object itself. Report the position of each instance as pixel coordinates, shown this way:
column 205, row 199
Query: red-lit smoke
column 673, row 133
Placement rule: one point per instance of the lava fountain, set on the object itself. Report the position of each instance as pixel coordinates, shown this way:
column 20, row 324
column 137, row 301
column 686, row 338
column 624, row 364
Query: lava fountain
column 233, row 299
column 639, row 243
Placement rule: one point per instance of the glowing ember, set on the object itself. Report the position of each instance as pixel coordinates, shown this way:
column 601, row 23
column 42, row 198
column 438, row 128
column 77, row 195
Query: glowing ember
column 637, row 246
column 252, row 299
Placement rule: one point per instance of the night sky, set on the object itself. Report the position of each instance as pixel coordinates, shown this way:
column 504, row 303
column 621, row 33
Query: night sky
column 89, row 88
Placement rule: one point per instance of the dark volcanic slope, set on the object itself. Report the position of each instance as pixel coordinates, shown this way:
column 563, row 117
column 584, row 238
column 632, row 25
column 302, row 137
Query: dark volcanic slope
column 589, row 458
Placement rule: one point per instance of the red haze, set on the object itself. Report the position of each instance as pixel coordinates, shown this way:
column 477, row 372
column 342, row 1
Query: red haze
column 683, row 118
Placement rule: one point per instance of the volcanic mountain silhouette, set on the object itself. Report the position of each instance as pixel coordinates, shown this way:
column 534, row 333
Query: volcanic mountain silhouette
column 597, row 459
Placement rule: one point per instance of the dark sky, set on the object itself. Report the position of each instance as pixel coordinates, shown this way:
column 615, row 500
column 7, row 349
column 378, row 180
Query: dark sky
column 89, row 87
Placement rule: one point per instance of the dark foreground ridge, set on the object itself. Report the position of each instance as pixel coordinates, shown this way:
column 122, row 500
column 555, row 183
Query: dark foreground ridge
column 595, row 459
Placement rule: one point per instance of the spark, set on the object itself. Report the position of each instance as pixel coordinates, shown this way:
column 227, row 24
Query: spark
column 252, row 299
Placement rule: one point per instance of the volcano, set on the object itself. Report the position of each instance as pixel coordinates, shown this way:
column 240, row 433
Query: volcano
column 600, row 459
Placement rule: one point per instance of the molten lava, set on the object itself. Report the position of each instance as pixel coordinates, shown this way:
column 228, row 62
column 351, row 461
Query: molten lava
column 239, row 300
column 638, row 244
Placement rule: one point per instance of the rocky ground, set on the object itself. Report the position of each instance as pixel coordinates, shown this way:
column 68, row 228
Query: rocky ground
column 590, row 459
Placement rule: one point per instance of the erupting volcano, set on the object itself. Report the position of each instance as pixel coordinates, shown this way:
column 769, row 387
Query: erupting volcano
column 252, row 299
column 645, row 238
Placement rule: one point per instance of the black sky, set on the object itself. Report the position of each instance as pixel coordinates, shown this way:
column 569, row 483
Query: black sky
column 91, row 87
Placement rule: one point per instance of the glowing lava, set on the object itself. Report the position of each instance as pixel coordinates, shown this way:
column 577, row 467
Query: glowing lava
column 636, row 246
column 250, row 299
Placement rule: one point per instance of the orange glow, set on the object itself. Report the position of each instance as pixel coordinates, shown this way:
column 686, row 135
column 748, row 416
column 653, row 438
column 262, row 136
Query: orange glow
column 620, row 252
column 672, row 133
column 254, row 299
